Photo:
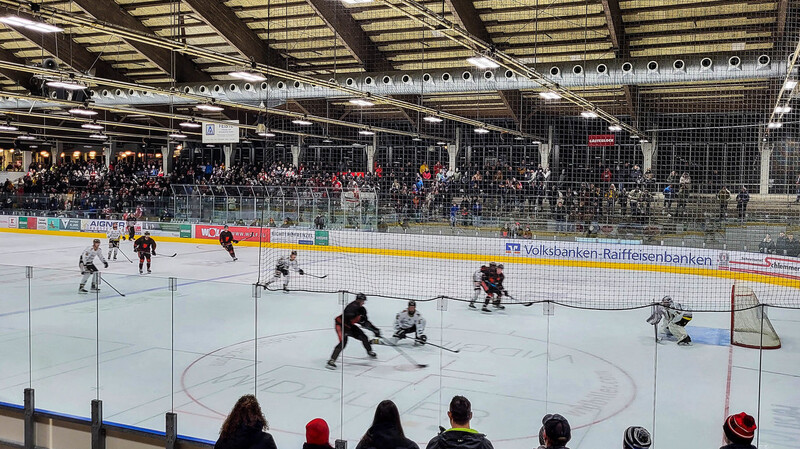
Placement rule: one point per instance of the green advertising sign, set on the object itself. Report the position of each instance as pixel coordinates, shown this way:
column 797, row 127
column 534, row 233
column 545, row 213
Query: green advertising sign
column 321, row 238
column 22, row 223
column 186, row 231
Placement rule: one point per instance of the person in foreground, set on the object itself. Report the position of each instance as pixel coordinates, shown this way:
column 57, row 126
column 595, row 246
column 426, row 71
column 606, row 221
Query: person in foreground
column 739, row 431
column 556, row 432
column 317, row 435
column 459, row 435
column 636, row 437
column 386, row 430
column 245, row 427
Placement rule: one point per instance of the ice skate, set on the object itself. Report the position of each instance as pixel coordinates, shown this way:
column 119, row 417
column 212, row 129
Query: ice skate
column 372, row 354
column 331, row 364
column 472, row 305
column 82, row 290
column 486, row 309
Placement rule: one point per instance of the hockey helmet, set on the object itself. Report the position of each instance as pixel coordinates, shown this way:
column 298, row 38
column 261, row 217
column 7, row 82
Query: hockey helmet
column 667, row 300
column 492, row 264
column 114, row 225
column 294, row 253
column 96, row 241
column 146, row 232
column 412, row 303
column 361, row 297
column 225, row 227
column 500, row 266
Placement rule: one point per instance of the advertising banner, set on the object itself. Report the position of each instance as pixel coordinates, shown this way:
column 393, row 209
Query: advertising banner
column 12, row 222
column 186, row 231
column 601, row 140
column 766, row 264
column 41, row 223
column 4, row 221
column 220, row 132
column 298, row 236
column 71, row 224
column 22, row 222
column 53, row 224
column 104, row 225
column 211, row 232
column 321, row 238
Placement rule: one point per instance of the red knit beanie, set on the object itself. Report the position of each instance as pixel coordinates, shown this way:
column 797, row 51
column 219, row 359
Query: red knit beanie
column 317, row 432
column 740, row 428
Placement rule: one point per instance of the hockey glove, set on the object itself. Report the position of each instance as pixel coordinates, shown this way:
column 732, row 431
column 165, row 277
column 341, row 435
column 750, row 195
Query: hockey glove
column 105, row 264
column 376, row 331
column 422, row 339
column 399, row 335
column 154, row 253
column 301, row 272
column 235, row 241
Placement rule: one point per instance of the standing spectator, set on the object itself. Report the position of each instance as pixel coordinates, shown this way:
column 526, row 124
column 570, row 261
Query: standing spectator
column 781, row 244
column 453, row 214
column 317, row 435
column 685, row 181
column 460, row 435
column 636, row 437
column 245, row 427
column 607, row 176
column 723, row 196
column 668, row 193
column 739, row 431
column 741, row 202
column 611, row 198
column 557, row 432
column 386, row 430
column 767, row 246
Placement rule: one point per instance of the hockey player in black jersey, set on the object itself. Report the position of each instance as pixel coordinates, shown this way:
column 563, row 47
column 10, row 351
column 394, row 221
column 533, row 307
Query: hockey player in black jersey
column 144, row 247
column 226, row 240
column 347, row 326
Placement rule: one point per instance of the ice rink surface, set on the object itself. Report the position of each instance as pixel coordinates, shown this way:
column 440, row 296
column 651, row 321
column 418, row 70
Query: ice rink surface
column 199, row 348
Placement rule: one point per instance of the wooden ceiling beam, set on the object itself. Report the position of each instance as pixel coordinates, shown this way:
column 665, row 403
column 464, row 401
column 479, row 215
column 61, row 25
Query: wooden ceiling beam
column 108, row 11
column 512, row 99
column 343, row 25
column 616, row 28
column 230, row 27
column 22, row 79
column 467, row 16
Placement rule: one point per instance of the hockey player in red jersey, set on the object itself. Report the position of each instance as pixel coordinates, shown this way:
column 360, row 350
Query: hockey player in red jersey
column 346, row 326
column 226, row 240
column 144, row 247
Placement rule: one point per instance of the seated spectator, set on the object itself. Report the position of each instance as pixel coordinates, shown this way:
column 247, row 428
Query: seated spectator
column 319, row 222
column 287, row 222
column 739, row 431
column 271, row 223
column 317, row 435
column 386, row 430
column 792, row 246
column 245, row 427
column 557, row 432
column 767, row 246
column 636, row 437
column 460, row 435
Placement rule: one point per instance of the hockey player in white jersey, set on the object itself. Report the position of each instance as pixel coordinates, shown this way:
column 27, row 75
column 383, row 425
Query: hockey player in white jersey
column 282, row 270
column 87, row 266
column 409, row 321
column 673, row 318
column 478, row 286
column 113, row 234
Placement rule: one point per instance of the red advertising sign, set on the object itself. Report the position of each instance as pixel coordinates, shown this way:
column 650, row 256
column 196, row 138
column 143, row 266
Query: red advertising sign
column 240, row 233
column 601, row 140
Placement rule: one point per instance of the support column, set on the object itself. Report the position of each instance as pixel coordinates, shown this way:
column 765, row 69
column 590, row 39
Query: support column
column 370, row 158
column 109, row 151
column 228, row 150
column 27, row 158
column 452, row 151
column 649, row 150
column 296, row 155
column 468, row 153
column 544, row 154
column 166, row 157
column 766, row 154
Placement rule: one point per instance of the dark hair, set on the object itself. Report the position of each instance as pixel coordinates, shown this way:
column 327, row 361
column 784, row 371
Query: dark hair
column 386, row 415
column 245, row 413
column 460, row 409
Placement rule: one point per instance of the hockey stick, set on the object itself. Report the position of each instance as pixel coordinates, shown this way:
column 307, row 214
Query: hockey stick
column 403, row 353
column 112, row 287
column 315, row 276
column 173, row 255
column 526, row 304
column 437, row 346
column 126, row 256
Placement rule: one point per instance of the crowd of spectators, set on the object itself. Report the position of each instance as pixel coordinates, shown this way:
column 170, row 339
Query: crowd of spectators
column 246, row 427
column 784, row 245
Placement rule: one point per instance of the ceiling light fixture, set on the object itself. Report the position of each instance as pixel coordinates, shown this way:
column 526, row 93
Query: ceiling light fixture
column 416, row 139
column 69, row 85
column 176, row 135
column 774, row 125
column 441, row 143
column 790, row 84
column 210, row 107
column 550, row 95
column 190, row 124
column 519, row 138
column 98, row 136
column 360, row 102
column 7, row 126
column 83, row 110
column 30, row 24
column 355, row 2
column 366, row 132
column 247, row 75
column 481, row 130
column 589, row 114
column 327, row 141
column 783, row 109
column 482, row 62
column 26, row 137
column 303, row 122
column 615, row 128
column 266, row 133
column 432, row 119
column 634, row 136
column 92, row 125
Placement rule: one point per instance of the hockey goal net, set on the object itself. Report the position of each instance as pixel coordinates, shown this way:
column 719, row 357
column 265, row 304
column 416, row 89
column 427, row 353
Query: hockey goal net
column 750, row 325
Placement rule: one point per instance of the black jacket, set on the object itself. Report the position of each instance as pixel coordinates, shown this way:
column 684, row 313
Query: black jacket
column 385, row 437
column 247, row 438
column 460, row 438
column 316, row 446
column 738, row 446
